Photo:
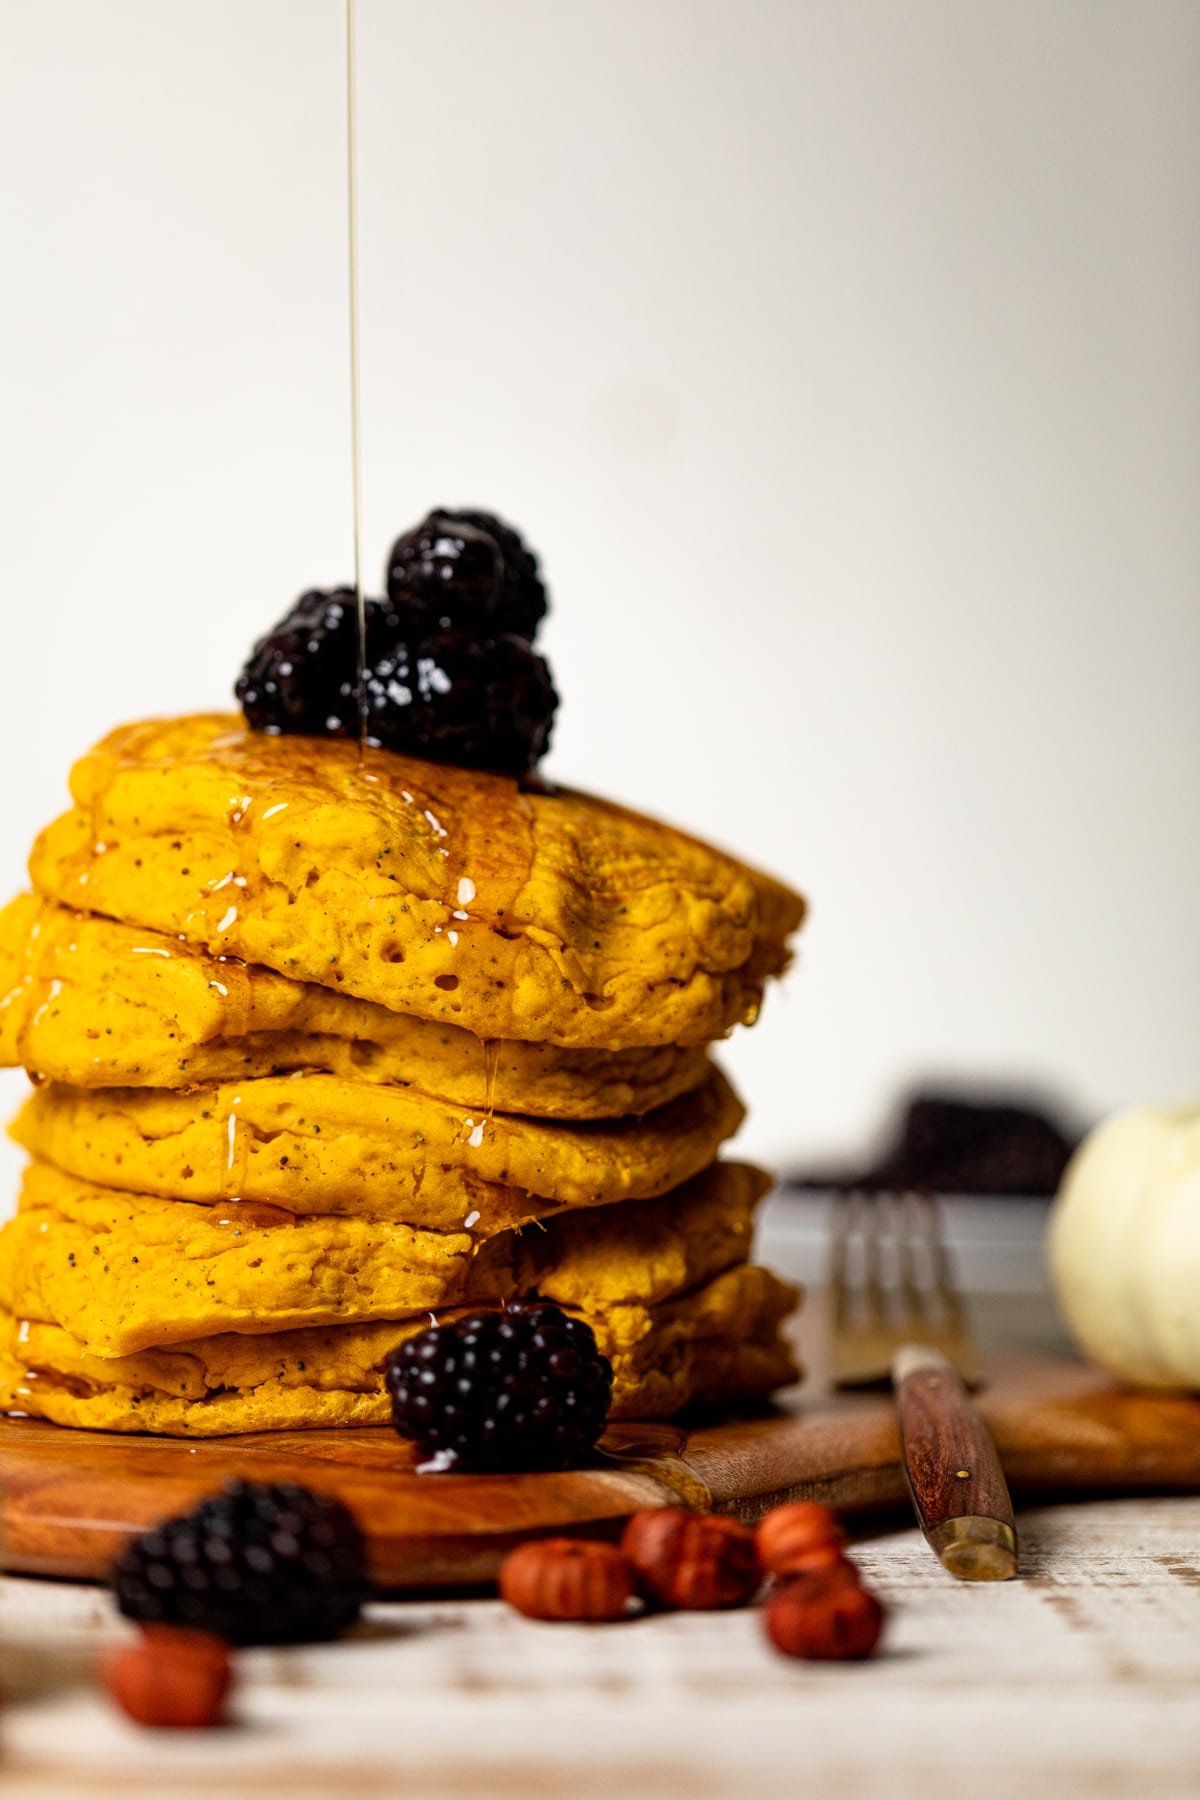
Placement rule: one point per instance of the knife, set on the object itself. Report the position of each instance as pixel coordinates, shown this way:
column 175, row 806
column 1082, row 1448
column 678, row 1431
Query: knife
column 958, row 1487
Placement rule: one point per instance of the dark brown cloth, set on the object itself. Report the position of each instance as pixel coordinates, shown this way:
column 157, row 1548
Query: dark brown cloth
column 951, row 1145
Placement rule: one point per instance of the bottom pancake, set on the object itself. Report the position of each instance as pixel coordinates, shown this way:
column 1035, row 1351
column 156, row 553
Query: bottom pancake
column 718, row 1343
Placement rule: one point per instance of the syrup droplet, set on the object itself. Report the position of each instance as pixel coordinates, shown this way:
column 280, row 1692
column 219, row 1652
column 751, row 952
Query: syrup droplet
column 237, row 1152
column 439, row 1464
column 239, row 1215
column 491, row 1068
column 55, row 990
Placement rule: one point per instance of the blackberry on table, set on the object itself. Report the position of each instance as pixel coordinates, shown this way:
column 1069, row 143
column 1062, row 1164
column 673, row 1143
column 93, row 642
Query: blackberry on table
column 522, row 1389
column 465, row 569
column 255, row 1564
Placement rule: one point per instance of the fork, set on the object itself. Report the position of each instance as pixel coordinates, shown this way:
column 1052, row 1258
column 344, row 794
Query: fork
column 896, row 1310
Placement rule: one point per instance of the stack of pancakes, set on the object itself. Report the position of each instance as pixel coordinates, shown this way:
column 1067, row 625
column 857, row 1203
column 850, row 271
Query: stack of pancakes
column 322, row 1046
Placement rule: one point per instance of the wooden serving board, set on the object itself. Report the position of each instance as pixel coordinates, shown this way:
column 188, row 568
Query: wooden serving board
column 70, row 1498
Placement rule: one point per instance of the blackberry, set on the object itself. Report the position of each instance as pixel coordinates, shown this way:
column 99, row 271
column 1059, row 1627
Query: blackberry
column 253, row 1565
column 462, row 569
column 522, row 1389
column 486, row 702
column 303, row 676
column 450, row 696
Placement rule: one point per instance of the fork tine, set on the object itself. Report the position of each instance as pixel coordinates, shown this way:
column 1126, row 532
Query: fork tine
column 838, row 1259
column 953, row 1335
column 906, row 1240
column 859, row 1347
column 872, row 1262
column 892, row 1284
column 924, row 1244
column 941, row 1280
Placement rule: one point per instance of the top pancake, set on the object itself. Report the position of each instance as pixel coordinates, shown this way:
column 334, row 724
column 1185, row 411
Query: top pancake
column 448, row 894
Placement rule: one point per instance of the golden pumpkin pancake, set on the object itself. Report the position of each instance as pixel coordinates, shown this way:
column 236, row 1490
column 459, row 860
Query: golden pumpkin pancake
column 446, row 893
column 718, row 1342
column 94, row 1003
column 318, row 1144
column 124, row 1272
column 720, row 1346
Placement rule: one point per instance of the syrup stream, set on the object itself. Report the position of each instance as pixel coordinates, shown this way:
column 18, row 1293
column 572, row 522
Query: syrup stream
column 355, row 433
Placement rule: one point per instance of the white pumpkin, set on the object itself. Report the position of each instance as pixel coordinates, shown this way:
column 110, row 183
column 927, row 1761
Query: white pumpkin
column 1124, row 1246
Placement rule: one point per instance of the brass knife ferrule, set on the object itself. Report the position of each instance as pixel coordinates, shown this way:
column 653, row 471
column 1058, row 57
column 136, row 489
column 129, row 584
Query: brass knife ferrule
column 976, row 1549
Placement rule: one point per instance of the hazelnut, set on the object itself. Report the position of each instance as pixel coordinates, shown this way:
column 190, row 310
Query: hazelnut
column 832, row 1568
column 176, row 1678
column 824, row 1560
column 567, row 1578
column 689, row 1560
column 803, row 1535
column 827, row 1620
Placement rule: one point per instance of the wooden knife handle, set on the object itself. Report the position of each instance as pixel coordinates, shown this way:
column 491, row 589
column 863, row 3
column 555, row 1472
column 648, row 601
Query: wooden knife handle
column 953, row 1471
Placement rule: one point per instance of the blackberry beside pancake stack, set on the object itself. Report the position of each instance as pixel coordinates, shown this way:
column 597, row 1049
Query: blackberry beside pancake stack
column 325, row 1041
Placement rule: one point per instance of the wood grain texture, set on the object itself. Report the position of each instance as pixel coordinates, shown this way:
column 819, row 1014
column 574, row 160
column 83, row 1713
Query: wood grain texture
column 72, row 1497
column 1078, row 1681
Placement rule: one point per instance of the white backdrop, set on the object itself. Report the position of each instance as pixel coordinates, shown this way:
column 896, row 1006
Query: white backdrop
column 839, row 356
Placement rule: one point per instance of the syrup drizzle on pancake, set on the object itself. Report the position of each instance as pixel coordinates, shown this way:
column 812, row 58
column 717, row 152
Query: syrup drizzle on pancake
column 491, row 1068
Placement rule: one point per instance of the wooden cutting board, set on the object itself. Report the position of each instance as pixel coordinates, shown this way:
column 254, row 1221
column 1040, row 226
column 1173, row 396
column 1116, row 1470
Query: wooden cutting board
column 70, row 1498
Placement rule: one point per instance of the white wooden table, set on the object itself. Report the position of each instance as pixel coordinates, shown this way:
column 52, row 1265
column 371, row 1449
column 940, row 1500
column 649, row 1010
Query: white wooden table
column 1078, row 1682
column 1082, row 1679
